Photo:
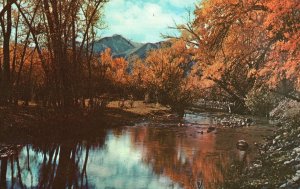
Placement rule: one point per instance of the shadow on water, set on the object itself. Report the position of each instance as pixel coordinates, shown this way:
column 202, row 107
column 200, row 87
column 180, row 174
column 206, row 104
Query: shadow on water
column 162, row 156
column 48, row 166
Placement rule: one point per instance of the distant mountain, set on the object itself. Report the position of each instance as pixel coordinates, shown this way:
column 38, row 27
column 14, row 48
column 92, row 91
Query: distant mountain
column 117, row 43
column 122, row 47
column 144, row 49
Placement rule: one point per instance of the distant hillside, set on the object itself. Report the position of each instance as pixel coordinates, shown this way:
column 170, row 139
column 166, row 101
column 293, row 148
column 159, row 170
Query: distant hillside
column 116, row 43
column 122, row 47
column 144, row 49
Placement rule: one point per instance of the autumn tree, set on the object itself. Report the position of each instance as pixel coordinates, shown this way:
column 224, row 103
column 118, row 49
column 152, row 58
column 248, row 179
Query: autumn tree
column 230, row 44
column 62, row 20
column 282, row 67
column 169, row 76
column 65, row 34
column 62, row 34
column 113, row 71
column 137, row 73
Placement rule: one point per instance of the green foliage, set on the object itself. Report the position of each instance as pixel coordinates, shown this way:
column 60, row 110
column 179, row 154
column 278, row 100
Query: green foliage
column 260, row 101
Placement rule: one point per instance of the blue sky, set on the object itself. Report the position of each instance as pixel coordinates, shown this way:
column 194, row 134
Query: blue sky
column 144, row 20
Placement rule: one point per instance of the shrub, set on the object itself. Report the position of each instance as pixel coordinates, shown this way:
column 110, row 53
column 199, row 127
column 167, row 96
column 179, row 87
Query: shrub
column 260, row 101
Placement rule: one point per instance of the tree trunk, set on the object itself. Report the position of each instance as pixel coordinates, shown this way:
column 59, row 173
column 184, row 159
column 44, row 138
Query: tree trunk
column 61, row 177
column 3, row 172
column 6, row 55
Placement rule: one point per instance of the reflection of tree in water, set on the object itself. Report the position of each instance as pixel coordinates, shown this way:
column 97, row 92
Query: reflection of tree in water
column 3, row 172
column 5, row 157
column 57, row 165
column 183, row 157
column 65, row 172
column 188, row 158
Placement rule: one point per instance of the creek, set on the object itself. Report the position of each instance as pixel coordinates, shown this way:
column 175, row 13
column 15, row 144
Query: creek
column 147, row 155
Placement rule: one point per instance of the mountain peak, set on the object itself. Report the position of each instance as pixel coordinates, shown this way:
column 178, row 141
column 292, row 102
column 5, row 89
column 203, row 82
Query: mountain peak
column 122, row 47
column 117, row 35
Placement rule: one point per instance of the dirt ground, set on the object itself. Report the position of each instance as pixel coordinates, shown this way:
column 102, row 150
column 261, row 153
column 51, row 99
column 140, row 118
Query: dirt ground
column 34, row 121
column 139, row 107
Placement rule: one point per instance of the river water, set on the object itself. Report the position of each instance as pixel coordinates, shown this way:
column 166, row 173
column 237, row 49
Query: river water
column 145, row 156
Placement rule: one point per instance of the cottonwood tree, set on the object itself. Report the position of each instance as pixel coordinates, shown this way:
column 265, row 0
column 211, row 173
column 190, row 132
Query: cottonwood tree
column 113, row 71
column 62, row 18
column 282, row 24
column 61, row 32
column 230, row 43
column 168, row 74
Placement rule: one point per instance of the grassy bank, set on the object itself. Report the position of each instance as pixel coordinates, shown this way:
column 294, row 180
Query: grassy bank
column 36, row 122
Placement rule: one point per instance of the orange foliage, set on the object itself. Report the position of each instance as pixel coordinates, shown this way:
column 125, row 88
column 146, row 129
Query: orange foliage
column 235, row 42
column 115, row 68
column 168, row 74
column 283, row 26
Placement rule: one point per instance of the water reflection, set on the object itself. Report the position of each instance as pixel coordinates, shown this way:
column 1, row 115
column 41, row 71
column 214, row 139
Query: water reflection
column 187, row 157
column 131, row 157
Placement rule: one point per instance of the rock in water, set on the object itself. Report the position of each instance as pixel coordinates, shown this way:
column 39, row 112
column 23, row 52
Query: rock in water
column 249, row 121
column 242, row 145
column 210, row 129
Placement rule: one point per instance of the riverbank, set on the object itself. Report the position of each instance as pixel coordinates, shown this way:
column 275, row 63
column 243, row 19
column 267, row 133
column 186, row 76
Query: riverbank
column 278, row 165
column 36, row 122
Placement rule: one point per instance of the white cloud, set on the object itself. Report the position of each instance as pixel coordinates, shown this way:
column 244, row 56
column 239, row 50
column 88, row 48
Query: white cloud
column 143, row 21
